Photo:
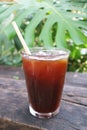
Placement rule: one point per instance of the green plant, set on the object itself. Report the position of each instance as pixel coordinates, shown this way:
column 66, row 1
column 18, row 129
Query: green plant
column 70, row 19
column 8, row 54
column 59, row 23
column 78, row 58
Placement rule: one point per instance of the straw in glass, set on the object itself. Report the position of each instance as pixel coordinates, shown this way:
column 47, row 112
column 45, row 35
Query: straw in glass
column 21, row 38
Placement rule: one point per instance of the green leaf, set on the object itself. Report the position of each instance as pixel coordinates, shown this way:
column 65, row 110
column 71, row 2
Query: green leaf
column 77, row 36
column 30, row 29
column 70, row 16
column 46, row 34
column 64, row 24
column 60, row 38
column 3, row 8
column 7, row 12
column 19, row 20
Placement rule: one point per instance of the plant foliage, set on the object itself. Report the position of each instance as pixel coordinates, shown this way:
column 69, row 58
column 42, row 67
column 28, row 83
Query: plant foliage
column 8, row 53
column 61, row 21
column 48, row 23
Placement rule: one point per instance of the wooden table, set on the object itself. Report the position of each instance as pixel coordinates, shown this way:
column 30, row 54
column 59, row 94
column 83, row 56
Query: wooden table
column 14, row 114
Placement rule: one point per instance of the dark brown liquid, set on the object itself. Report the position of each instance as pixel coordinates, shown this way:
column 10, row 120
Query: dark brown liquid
column 44, row 79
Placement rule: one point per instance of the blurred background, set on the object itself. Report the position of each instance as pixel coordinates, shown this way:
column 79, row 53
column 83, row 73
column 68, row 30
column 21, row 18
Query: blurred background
column 56, row 23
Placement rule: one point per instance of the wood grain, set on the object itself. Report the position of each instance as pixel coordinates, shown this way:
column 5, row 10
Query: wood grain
column 14, row 102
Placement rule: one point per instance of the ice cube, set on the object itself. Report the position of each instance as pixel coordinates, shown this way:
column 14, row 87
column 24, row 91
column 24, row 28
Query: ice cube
column 42, row 53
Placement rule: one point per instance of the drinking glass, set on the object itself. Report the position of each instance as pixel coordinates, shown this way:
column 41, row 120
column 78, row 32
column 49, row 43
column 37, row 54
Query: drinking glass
column 45, row 71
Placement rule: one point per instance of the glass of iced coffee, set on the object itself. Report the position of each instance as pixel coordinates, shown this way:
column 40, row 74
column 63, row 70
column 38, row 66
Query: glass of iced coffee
column 45, row 71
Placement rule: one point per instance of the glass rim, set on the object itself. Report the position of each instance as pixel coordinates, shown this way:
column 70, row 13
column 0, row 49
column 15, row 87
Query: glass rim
column 41, row 53
column 67, row 51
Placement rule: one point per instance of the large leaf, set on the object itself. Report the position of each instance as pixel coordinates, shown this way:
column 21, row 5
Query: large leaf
column 30, row 29
column 70, row 18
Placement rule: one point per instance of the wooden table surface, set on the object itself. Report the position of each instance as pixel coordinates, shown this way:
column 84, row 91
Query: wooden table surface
column 14, row 103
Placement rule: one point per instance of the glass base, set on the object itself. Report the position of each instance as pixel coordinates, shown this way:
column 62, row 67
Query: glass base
column 43, row 115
